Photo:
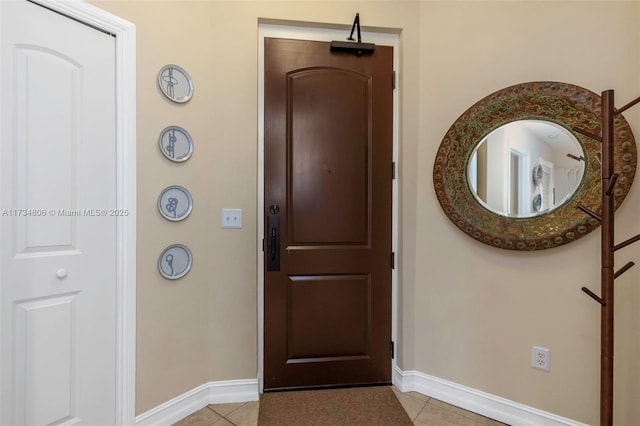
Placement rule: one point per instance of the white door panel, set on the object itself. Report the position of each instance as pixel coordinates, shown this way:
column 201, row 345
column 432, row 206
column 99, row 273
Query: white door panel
column 44, row 347
column 58, row 249
column 39, row 71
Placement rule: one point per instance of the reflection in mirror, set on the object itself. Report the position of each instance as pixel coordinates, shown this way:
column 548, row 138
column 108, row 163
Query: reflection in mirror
column 526, row 168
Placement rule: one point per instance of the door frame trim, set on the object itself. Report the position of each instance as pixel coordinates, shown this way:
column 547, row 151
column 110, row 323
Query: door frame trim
column 125, row 36
column 323, row 32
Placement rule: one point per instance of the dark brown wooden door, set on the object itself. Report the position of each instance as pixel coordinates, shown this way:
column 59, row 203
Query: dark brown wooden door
column 328, row 180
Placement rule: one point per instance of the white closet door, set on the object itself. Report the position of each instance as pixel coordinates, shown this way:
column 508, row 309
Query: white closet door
column 58, row 232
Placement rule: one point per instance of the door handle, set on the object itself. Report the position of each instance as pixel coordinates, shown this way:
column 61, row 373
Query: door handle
column 273, row 230
column 274, row 242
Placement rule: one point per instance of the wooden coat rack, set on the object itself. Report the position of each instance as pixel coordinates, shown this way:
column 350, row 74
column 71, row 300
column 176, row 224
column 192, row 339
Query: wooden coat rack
column 608, row 248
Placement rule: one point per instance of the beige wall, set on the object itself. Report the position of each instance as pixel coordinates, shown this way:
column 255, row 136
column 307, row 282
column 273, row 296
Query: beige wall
column 469, row 313
column 479, row 310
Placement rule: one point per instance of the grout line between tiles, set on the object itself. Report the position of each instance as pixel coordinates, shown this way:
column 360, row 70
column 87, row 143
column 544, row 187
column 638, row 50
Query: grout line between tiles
column 419, row 412
column 229, row 413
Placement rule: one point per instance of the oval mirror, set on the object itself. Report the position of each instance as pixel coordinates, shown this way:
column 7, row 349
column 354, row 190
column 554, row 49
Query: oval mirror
column 529, row 198
column 525, row 168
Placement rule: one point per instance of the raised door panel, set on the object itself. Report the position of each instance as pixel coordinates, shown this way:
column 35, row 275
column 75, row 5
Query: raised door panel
column 47, row 133
column 329, row 145
column 44, row 352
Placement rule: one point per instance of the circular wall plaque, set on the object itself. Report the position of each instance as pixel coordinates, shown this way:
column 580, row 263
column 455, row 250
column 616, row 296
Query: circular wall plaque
column 176, row 143
column 175, row 262
column 175, row 83
column 175, row 203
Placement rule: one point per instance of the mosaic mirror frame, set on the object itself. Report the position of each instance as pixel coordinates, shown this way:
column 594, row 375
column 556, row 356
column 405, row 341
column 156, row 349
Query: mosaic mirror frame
column 565, row 104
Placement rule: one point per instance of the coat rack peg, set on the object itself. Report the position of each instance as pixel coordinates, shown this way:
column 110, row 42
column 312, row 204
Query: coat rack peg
column 624, row 269
column 626, row 243
column 627, row 106
column 587, row 134
column 594, row 296
column 590, row 213
column 612, row 183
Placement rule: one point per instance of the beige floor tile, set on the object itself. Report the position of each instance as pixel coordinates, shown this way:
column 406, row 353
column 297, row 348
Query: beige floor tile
column 433, row 415
column 223, row 422
column 416, row 395
column 419, row 396
column 413, row 406
column 224, row 409
column 203, row 417
column 477, row 418
column 247, row 415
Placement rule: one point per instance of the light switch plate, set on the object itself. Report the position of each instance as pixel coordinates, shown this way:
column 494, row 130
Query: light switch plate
column 232, row 218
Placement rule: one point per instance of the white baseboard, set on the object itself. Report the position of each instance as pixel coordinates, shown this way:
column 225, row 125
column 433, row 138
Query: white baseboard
column 192, row 401
column 495, row 407
column 488, row 405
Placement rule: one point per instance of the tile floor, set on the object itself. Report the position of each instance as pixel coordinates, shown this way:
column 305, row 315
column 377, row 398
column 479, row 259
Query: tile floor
column 422, row 410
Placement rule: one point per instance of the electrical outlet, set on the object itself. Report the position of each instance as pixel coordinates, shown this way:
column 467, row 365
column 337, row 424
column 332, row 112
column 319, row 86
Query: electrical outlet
column 540, row 358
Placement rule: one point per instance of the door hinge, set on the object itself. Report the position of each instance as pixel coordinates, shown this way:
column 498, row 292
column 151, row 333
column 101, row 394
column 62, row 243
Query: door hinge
column 393, row 260
column 393, row 80
column 393, row 170
column 393, row 349
column 263, row 244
